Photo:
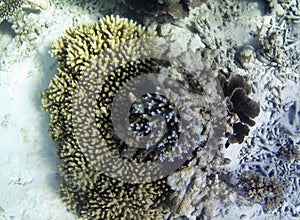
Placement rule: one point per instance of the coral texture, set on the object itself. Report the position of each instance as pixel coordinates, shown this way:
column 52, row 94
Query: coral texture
column 86, row 191
column 271, row 145
column 8, row 8
column 263, row 190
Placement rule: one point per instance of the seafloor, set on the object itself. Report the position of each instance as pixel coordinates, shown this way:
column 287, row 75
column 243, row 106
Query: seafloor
column 258, row 39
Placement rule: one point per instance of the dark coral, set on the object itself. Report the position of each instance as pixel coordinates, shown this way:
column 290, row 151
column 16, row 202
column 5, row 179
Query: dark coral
column 236, row 91
column 243, row 106
column 162, row 10
column 240, row 130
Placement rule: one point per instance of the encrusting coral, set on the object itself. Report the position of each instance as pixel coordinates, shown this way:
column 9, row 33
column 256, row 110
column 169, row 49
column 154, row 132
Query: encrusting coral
column 87, row 191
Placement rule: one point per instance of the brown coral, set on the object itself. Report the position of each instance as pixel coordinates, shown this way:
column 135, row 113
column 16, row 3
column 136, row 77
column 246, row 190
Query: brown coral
column 241, row 108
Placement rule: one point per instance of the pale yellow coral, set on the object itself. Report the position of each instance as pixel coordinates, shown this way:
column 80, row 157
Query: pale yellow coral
column 86, row 191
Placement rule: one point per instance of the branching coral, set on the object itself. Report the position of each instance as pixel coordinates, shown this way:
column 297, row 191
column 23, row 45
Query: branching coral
column 262, row 190
column 107, row 72
column 87, row 191
column 8, row 8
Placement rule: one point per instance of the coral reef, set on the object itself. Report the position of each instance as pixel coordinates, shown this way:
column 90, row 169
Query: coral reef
column 197, row 189
column 101, row 62
column 275, row 41
column 270, row 145
column 196, row 185
column 78, row 47
column 95, row 182
column 236, row 37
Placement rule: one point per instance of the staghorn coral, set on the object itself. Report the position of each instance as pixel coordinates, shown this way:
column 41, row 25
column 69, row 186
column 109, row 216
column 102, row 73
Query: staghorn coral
column 74, row 54
column 87, row 191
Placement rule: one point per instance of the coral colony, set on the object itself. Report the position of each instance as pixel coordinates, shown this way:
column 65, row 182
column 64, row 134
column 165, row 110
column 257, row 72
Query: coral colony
column 85, row 190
